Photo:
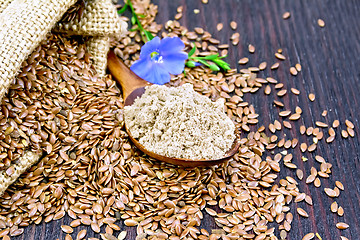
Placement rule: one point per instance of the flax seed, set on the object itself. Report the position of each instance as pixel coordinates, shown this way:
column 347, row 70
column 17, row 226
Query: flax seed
column 251, row 48
column 312, row 97
column 286, row 15
column 295, row 91
column 321, row 23
column 339, row 185
column 275, row 66
column 308, row 236
column 342, row 225
column 302, row 212
column 280, row 56
column 243, row 60
column 233, row 25
column 293, row 71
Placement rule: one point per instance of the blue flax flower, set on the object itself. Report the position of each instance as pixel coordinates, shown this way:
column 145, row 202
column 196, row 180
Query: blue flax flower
column 159, row 59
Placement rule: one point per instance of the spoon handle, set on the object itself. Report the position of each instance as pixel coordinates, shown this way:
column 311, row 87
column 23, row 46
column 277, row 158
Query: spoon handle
column 128, row 80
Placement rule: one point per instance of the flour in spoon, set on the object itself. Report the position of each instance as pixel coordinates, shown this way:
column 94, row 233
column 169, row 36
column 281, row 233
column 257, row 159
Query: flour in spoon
column 179, row 122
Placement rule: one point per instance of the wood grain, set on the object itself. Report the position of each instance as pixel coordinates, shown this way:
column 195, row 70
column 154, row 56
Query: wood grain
column 330, row 69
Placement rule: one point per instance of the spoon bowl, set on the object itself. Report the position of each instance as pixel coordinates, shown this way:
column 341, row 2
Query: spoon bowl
column 133, row 87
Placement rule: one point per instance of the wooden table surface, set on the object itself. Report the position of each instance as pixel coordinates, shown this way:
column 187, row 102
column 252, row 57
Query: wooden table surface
column 330, row 69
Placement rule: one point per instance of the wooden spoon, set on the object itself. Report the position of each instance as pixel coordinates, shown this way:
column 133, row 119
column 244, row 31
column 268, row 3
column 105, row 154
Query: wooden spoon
column 133, row 86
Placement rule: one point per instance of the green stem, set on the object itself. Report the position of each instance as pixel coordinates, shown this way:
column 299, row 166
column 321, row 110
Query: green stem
column 142, row 30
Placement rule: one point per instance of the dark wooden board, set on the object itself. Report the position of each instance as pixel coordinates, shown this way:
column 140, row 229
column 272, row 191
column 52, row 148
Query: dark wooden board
column 330, row 69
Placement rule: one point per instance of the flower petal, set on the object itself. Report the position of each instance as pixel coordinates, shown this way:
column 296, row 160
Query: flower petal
column 170, row 45
column 149, row 47
column 142, row 67
column 158, row 75
column 174, row 63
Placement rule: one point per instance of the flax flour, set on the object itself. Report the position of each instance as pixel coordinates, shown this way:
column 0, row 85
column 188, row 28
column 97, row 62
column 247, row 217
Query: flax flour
column 179, row 122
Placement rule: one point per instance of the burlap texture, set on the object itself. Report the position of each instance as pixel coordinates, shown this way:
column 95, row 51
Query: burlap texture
column 99, row 47
column 4, row 4
column 99, row 18
column 26, row 161
column 25, row 24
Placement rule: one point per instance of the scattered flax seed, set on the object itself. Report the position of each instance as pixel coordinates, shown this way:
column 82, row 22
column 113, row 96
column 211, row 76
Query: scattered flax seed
column 219, row 26
column 298, row 110
column 293, row 71
column 279, row 104
column 343, row 238
column 267, row 90
column 318, row 236
column 309, row 131
column 330, row 192
column 271, row 80
column 204, row 1
column 308, row 200
column 81, row 234
column 298, row 67
column 284, row 113
column 178, row 16
column 310, row 179
column 243, row 60
column 275, row 66
column 66, row 229
column 330, row 139
column 281, row 93
column 303, row 147
column 339, row 185
column 331, row 132
column 280, row 56
column 312, row 97
column 251, row 48
column 295, row 91
column 340, row 211
column 122, row 234
column 287, row 124
column 308, row 236
column 294, row 116
column 349, row 124
column 335, row 124
column 279, row 85
column 351, row 132
column 317, row 182
column 262, row 66
column 321, row 22
column 342, row 225
column 321, row 124
column 334, row 207
column 196, row 11
column 286, row 15
column 299, row 174
column 302, row 129
column 233, row 25
column 302, row 212
column 324, row 113
column 344, row 134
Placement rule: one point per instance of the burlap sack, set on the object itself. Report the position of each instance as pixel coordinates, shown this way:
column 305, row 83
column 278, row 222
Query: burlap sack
column 25, row 24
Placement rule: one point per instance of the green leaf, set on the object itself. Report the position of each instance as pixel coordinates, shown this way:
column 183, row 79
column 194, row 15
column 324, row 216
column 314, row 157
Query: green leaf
column 214, row 67
column 211, row 57
column 190, row 64
column 224, row 65
column 204, row 62
column 123, row 9
column 192, row 51
column 133, row 20
column 141, row 15
column 148, row 35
